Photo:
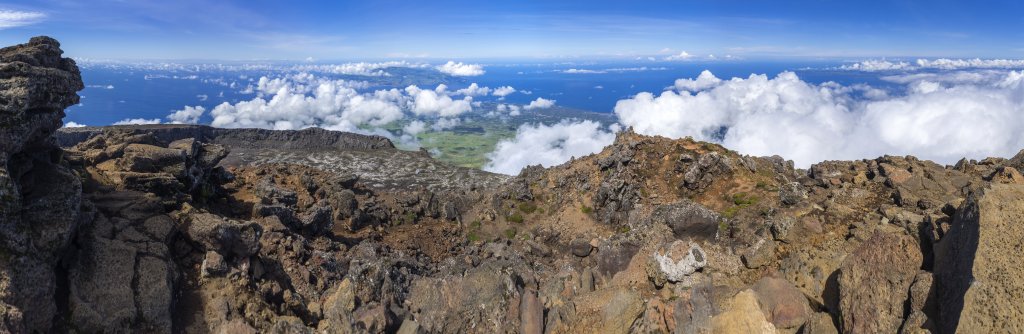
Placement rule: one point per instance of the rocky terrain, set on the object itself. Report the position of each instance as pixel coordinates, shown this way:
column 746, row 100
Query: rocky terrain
column 190, row 229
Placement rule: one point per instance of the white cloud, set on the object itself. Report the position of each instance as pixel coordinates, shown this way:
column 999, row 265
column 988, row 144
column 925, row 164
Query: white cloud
column 303, row 101
column 203, row 97
column 74, row 125
column 474, row 90
column 810, row 123
column 582, row 71
column 188, row 115
column 876, row 65
column 360, row 68
column 14, row 18
column 137, row 121
column 703, row 81
column 540, row 103
column 607, row 70
column 461, row 70
column 513, row 110
column 683, row 55
column 445, row 123
column 940, row 64
column 415, row 127
column 100, row 86
column 437, row 102
column 504, row 91
column 548, row 145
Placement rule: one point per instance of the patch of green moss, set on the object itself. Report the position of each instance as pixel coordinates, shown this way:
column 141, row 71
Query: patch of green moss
column 744, row 199
column 472, row 237
column 527, row 207
column 510, row 232
column 515, row 218
column 586, row 209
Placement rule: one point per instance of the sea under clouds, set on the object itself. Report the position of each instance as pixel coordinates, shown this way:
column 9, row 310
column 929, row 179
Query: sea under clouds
column 940, row 109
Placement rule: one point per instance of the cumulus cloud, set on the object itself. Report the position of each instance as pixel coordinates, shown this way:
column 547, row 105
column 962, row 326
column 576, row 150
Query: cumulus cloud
column 188, row 115
column 511, row 109
column 504, row 91
column 683, row 55
column 540, row 103
column 809, row 123
column 100, row 86
column 137, row 121
column 474, row 90
column 415, row 127
column 74, row 125
column 15, row 18
column 302, row 101
column 703, row 81
column 548, row 145
column 461, row 70
column 436, row 102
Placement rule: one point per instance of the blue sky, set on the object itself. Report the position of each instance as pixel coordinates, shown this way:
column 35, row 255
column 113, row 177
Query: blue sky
column 346, row 30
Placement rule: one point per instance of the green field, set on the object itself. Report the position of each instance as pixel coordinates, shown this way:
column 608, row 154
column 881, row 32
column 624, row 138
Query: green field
column 469, row 143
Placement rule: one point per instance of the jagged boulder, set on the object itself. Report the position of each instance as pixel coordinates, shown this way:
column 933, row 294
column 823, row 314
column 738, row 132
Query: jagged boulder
column 225, row 236
column 874, row 283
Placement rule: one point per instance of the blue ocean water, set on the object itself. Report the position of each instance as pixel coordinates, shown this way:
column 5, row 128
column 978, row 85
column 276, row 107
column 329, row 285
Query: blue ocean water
column 115, row 93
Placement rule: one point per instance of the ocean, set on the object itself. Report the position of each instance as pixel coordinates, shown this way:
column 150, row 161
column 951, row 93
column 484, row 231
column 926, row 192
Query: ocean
column 116, row 92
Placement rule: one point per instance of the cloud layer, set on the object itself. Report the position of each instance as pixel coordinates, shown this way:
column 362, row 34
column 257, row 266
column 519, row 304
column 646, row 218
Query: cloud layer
column 809, row 123
column 940, row 64
column 548, row 145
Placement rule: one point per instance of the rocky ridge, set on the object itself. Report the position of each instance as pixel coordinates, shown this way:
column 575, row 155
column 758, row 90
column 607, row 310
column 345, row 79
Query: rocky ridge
column 176, row 229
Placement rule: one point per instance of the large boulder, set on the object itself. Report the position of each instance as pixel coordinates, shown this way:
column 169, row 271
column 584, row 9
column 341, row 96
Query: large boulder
column 782, row 303
column 980, row 282
column 688, row 219
column 874, row 283
column 742, row 314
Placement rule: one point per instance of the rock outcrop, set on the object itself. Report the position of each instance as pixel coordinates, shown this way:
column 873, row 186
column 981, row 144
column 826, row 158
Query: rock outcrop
column 39, row 195
column 979, row 282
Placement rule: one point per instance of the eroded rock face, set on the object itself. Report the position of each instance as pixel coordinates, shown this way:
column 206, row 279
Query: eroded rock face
column 979, row 280
column 874, row 282
column 39, row 196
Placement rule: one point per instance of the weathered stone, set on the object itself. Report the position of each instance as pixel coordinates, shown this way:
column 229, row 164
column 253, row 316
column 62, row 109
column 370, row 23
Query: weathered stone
column 742, row 314
column 608, row 310
column 230, row 238
column 580, row 247
column 783, row 305
column 531, row 313
column 759, row 254
column 710, row 166
column 792, row 193
column 675, row 261
column 874, row 283
column 979, row 279
column 819, row 323
column 688, row 219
